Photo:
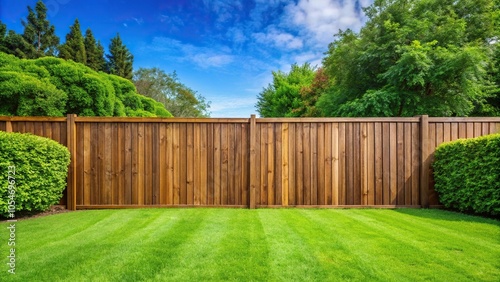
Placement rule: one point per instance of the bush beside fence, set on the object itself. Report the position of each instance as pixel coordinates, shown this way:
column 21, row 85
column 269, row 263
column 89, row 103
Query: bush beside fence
column 467, row 174
column 33, row 172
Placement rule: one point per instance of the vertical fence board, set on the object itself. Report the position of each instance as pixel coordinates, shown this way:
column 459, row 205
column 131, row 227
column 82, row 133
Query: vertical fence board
column 328, row 170
column 349, row 159
column 195, row 165
column 108, row 166
column 245, row 158
column 128, row 172
column 416, row 161
column 400, row 164
column 217, row 164
column 314, row 163
column 364, row 164
column 378, row 147
column 291, row 164
column 407, row 159
column 370, row 163
column 210, row 164
column 87, row 170
column 386, row 165
column 299, row 163
column 342, row 165
column 357, row 171
column 307, row 167
column 270, row 163
column 285, row 167
column 237, row 168
column 393, row 163
column 225, row 160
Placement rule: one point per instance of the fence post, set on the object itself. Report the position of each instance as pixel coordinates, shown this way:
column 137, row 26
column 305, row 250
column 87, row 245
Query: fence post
column 71, row 139
column 424, row 161
column 253, row 168
column 8, row 126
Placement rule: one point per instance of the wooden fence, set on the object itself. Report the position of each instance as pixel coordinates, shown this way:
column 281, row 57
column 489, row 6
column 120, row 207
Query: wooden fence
column 318, row 162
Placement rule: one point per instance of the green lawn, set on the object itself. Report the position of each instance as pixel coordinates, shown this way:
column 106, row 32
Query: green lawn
column 254, row 245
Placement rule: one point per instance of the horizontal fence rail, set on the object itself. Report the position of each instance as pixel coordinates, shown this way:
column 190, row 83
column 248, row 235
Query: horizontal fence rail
column 255, row 162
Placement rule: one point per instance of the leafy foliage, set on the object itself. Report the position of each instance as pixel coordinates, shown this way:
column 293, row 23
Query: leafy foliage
column 54, row 87
column 467, row 174
column 165, row 88
column 94, row 51
column 39, row 33
column 120, row 59
column 282, row 97
column 41, row 167
column 74, row 47
column 413, row 57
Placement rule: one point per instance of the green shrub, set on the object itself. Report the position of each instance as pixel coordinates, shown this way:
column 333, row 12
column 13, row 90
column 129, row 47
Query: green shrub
column 41, row 167
column 467, row 174
column 51, row 86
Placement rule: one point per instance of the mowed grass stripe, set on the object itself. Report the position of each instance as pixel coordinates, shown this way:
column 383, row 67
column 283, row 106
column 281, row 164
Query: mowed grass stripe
column 290, row 257
column 446, row 245
column 331, row 237
column 255, row 245
column 411, row 250
column 227, row 240
column 109, row 241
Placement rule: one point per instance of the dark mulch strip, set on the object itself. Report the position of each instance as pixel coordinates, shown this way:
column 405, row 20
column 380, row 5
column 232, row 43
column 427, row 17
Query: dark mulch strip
column 26, row 215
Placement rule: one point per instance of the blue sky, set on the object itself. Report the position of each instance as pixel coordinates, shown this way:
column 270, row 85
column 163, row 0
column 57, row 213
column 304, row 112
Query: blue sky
column 225, row 50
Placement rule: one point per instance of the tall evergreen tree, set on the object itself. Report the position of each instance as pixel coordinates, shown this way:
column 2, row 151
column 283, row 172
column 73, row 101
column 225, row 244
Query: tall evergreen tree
column 95, row 52
column 3, row 35
column 74, row 47
column 39, row 33
column 12, row 43
column 120, row 59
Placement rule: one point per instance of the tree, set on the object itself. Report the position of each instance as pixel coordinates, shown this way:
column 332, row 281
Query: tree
column 95, row 52
column 282, row 97
column 165, row 88
column 39, row 33
column 74, row 47
column 3, row 35
column 311, row 93
column 413, row 57
column 120, row 59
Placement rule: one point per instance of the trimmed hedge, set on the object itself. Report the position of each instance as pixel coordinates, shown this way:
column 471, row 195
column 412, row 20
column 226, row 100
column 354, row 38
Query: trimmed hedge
column 467, row 174
column 51, row 86
column 40, row 167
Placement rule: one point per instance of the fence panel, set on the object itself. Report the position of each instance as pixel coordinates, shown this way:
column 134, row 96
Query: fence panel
column 332, row 162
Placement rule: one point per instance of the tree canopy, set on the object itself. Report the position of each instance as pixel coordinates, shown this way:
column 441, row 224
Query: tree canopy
column 38, row 33
column 74, row 47
column 282, row 97
column 120, row 60
column 94, row 51
column 165, row 88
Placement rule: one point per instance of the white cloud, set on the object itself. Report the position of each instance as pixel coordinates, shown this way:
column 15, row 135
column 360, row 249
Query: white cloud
column 321, row 19
column 277, row 38
column 224, row 10
column 236, row 35
column 313, row 58
column 229, row 106
column 201, row 56
column 207, row 60
column 139, row 21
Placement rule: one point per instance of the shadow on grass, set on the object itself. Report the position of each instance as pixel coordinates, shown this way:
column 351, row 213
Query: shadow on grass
column 449, row 215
